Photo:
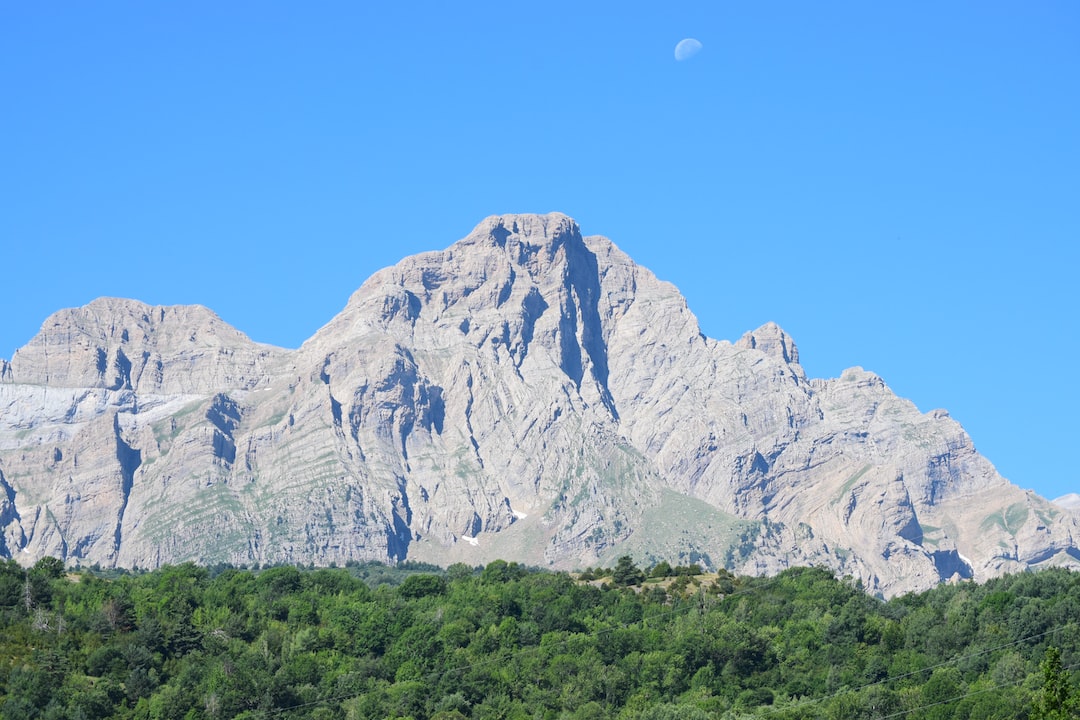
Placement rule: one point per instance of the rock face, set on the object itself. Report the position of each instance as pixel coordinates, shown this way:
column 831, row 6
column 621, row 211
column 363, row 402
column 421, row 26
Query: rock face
column 528, row 394
column 1069, row 502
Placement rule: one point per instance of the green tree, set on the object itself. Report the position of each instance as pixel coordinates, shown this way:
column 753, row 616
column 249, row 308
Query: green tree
column 661, row 569
column 12, row 584
column 39, row 580
column 1055, row 700
column 48, row 567
column 941, row 689
column 458, row 571
column 418, row 586
column 627, row 573
column 500, row 571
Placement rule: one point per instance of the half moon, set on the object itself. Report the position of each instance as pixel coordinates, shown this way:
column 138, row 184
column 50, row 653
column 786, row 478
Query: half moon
column 686, row 49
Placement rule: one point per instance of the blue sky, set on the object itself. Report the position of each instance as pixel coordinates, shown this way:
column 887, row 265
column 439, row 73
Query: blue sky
column 897, row 185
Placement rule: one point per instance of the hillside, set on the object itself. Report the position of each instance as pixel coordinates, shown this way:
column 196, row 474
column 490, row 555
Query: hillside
column 503, row 641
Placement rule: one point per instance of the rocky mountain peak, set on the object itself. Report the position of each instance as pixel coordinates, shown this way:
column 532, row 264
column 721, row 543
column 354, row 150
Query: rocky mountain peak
column 116, row 343
column 1069, row 501
column 537, row 231
column 771, row 340
column 526, row 393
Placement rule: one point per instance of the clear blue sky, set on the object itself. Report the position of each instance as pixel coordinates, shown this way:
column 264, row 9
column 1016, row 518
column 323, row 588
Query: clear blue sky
column 896, row 184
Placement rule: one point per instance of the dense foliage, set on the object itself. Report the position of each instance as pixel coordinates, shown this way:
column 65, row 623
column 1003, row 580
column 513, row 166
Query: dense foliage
column 505, row 642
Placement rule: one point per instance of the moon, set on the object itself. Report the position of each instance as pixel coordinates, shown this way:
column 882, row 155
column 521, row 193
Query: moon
column 686, row 49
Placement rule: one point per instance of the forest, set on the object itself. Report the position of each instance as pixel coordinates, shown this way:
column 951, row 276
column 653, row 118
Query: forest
column 504, row 641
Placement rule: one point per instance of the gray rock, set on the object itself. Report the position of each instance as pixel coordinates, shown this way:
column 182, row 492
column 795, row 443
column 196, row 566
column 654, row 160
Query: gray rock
column 527, row 394
column 1069, row 501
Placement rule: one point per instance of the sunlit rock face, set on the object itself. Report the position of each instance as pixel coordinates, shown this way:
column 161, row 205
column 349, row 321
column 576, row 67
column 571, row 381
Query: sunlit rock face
column 528, row 394
column 1070, row 501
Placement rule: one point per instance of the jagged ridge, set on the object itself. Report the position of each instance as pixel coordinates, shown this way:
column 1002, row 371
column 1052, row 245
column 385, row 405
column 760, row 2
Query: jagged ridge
column 527, row 393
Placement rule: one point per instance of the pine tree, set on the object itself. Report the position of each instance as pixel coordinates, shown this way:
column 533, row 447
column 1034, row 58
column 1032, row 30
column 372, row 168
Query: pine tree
column 627, row 573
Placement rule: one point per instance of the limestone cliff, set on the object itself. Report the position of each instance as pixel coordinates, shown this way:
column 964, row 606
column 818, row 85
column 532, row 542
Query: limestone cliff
column 527, row 393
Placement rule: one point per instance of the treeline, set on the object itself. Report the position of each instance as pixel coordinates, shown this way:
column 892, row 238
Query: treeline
column 502, row 641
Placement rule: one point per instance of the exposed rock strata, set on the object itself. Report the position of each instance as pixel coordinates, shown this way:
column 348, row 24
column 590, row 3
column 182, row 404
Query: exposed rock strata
column 528, row 393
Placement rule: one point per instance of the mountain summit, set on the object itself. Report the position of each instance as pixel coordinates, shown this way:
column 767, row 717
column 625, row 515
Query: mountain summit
column 528, row 394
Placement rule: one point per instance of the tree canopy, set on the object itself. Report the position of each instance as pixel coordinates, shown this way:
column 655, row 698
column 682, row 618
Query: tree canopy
column 187, row 643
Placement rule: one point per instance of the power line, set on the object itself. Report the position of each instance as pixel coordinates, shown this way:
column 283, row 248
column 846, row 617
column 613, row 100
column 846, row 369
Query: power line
column 929, row 668
column 971, row 693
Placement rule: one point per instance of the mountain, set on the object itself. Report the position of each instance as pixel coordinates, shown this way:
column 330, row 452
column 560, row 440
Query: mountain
column 527, row 394
column 1071, row 501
